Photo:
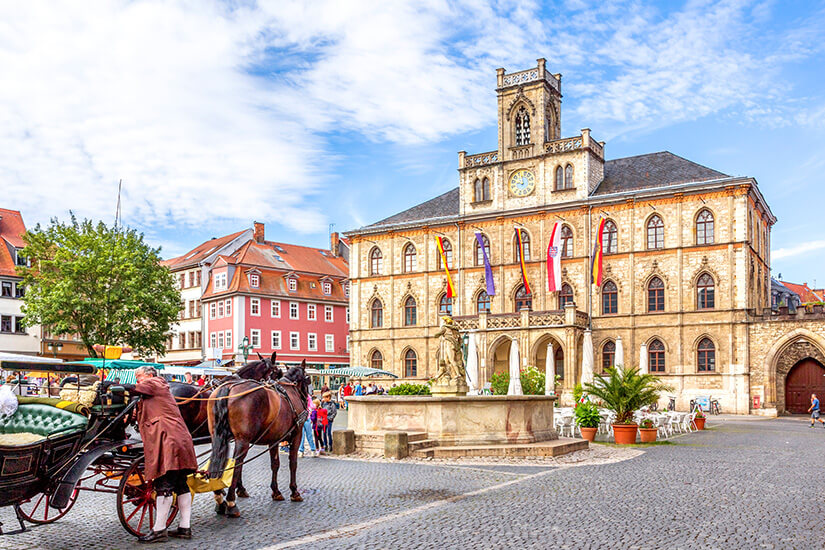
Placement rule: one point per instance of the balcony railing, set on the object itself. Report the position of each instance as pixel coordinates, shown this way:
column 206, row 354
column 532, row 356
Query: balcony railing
column 533, row 319
column 481, row 159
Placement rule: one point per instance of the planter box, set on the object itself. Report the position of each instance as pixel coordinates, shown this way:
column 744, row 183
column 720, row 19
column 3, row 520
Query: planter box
column 625, row 434
column 700, row 422
column 647, row 435
column 589, row 433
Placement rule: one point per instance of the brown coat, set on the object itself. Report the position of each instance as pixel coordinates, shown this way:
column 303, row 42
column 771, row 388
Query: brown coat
column 166, row 440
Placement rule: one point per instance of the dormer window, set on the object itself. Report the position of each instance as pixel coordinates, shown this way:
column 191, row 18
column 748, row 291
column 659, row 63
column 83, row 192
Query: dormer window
column 522, row 127
column 220, row 281
column 254, row 280
column 346, row 290
column 292, row 285
column 327, row 288
column 19, row 258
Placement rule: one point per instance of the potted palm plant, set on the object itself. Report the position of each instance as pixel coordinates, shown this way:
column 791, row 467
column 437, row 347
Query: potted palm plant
column 647, row 431
column 588, row 418
column 624, row 391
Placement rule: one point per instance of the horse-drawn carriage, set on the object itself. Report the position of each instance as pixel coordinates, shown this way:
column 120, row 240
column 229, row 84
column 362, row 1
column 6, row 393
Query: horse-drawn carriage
column 51, row 450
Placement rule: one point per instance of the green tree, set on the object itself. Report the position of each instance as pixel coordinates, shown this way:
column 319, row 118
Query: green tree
column 104, row 284
column 532, row 382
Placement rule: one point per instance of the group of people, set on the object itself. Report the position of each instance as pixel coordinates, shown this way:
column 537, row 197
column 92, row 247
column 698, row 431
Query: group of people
column 350, row 389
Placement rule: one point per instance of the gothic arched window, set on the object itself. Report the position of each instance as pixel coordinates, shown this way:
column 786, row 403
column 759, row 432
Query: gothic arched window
column 566, row 242
column 525, row 246
column 410, row 363
column 656, row 356
column 376, row 261
column 483, row 302
column 409, row 258
column 655, row 233
column 376, row 314
column 559, row 178
column 610, row 238
column 522, row 127
column 445, row 305
column 410, row 312
column 448, row 253
column 610, row 298
column 478, row 191
column 706, row 355
column 485, row 189
column 705, row 291
column 479, row 255
column 704, row 227
column 608, row 354
column 377, row 360
column 565, row 295
column 568, row 176
column 656, row 295
column 523, row 299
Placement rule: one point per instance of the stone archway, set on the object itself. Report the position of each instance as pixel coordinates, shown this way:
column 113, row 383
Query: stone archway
column 788, row 357
column 805, row 378
column 540, row 354
column 500, row 356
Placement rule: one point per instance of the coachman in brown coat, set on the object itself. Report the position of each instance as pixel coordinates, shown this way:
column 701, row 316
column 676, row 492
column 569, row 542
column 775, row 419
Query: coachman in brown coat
column 169, row 451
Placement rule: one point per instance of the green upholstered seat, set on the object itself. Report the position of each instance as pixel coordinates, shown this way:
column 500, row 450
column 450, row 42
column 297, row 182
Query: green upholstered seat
column 42, row 420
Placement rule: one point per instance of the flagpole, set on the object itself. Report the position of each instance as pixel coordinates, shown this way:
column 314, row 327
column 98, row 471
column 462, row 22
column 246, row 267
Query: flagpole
column 590, row 269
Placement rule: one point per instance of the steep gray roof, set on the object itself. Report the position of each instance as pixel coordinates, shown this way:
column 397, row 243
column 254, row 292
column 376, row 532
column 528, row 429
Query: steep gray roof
column 650, row 171
column 625, row 174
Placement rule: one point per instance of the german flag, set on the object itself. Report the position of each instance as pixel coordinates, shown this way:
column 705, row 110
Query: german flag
column 450, row 288
column 596, row 259
column 521, row 261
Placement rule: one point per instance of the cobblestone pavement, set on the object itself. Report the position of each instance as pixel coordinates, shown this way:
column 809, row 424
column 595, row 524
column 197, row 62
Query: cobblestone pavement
column 742, row 484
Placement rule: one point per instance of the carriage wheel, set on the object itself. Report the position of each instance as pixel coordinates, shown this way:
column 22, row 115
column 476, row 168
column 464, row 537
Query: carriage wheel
column 136, row 501
column 37, row 509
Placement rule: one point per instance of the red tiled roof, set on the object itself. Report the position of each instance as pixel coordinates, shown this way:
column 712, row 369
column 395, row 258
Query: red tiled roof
column 201, row 252
column 12, row 229
column 806, row 294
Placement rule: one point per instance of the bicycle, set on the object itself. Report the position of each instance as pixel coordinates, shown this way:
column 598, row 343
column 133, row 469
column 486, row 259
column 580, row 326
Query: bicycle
column 714, row 407
column 671, row 406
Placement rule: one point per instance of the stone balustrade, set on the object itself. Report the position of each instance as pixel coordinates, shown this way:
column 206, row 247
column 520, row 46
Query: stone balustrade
column 525, row 319
column 563, row 145
column 481, row 159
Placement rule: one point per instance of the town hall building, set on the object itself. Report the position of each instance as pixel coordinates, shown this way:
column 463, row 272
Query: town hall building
column 686, row 267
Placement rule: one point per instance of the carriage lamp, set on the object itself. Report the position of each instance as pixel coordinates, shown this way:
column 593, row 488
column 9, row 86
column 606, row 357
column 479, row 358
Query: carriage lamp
column 244, row 348
column 54, row 348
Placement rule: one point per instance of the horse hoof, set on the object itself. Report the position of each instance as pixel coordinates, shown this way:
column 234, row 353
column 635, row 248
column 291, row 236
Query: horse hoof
column 233, row 512
column 277, row 496
column 220, row 509
column 242, row 493
column 296, row 498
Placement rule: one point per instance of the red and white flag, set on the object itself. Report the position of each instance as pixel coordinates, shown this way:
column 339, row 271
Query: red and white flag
column 554, row 259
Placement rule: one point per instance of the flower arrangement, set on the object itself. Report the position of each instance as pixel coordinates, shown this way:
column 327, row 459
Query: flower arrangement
column 646, row 423
column 700, row 413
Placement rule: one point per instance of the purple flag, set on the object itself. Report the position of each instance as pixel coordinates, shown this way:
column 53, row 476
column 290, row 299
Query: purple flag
column 488, row 270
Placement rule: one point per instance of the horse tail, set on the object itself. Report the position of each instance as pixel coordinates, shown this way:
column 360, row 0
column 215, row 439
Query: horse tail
column 221, row 433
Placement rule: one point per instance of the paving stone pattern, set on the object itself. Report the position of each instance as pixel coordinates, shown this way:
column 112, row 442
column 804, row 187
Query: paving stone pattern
column 742, row 484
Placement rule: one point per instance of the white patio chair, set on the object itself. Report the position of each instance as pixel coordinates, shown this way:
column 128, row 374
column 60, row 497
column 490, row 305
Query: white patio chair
column 687, row 422
column 568, row 425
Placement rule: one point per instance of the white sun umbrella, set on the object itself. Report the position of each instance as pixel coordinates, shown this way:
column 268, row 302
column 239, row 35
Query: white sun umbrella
column 515, row 370
column 587, row 358
column 550, row 371
column 472, row 364
column 643, row 368
column 618, row 359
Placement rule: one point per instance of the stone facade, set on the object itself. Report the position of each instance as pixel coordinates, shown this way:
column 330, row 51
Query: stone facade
column 635, row 194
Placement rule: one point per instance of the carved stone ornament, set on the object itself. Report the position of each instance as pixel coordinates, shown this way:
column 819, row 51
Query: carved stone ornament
column 520, row 97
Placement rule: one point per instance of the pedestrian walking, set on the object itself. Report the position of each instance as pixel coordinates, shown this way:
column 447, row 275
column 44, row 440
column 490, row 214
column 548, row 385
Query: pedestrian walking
column 169, row 452
column 332, row 411
column 321, row 419
column 814, row 410
column 308, row 432
column 347, row 392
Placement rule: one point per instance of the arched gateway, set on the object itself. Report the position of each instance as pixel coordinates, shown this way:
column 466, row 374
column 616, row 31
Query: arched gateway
column 804, row 378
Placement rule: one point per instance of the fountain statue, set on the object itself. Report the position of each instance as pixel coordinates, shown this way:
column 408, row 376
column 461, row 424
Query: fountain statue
column 451, row 376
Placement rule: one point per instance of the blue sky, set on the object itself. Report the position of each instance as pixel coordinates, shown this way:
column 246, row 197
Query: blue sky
column 305, row 114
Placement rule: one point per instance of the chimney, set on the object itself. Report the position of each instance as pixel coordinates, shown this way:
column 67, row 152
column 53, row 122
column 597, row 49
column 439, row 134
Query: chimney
column 259, row 232
column 333, row 243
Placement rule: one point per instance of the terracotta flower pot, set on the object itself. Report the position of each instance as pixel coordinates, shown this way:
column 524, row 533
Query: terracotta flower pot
column 625, row 434
column 647, row 435
column 589, row 434
column 700, row 423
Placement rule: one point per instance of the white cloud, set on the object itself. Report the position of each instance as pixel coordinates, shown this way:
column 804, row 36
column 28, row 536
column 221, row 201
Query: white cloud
column 797, row 250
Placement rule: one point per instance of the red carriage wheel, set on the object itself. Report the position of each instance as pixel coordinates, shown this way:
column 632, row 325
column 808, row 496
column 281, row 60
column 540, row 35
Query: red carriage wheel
column 37, row 509
column 136, row 501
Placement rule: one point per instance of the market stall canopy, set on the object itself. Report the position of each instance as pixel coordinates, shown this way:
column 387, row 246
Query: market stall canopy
column 4, row 356
column 122, row 364
column 358, row 372
column 178, row 370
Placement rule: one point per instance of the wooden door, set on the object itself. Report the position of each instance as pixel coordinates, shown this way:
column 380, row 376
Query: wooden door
column 805, row 378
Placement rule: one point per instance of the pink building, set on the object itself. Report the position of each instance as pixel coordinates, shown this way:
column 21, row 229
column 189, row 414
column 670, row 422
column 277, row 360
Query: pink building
column 290, row 299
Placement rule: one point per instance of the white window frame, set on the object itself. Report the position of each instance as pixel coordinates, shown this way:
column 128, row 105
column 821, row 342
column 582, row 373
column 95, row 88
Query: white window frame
column 292, row 284
column 276, row 344
column 220, row 339
column 294, row 340
column 228, row 339
column 347, row 314
column 311, row 312
column 346, row 290
column 347, row 342
column 329, row 343
column 213, row 340
column 213, row 308
column 254, row 280
column 255, row 334
column 327, row 288
column 220, row 281
column 312, row 341
column 221, row 314
column 297, row 308
column 329, row 314
column 255, row 307
column 275, row 310
column 228, row 307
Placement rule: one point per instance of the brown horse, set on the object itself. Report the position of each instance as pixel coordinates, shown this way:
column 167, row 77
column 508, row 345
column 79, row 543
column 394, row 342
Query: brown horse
column 257, row 414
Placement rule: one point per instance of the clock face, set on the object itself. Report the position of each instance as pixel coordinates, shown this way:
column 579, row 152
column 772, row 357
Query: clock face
column 522, row 182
